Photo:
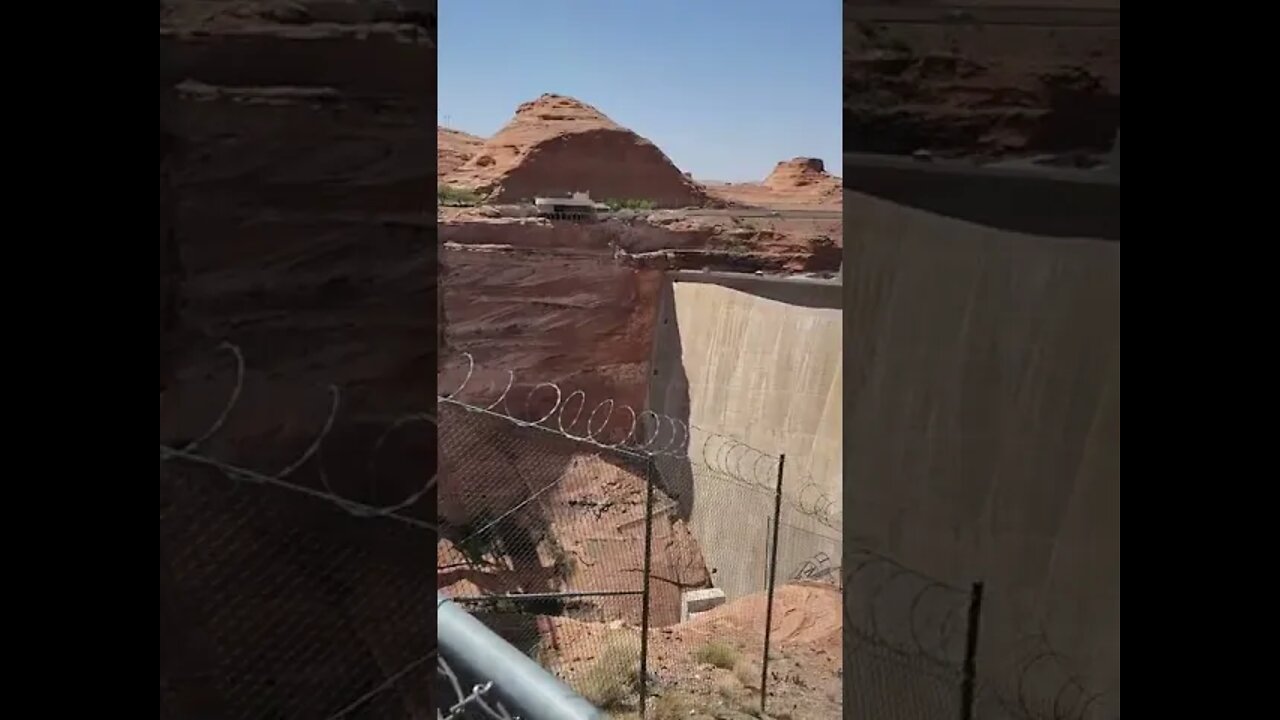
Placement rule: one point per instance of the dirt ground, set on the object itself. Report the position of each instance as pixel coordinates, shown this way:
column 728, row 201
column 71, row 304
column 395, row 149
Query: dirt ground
column 758, row 195
column 805, row 672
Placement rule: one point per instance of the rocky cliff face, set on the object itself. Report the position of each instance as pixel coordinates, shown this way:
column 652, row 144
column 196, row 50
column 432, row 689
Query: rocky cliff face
column 454, row 148
column 804, row 178
column 575, row 303
column 556, row 145
column 994, row 82
column 304, row 180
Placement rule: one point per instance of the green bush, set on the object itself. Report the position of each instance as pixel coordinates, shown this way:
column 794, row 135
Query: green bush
column 630, row 204
column 449, row 196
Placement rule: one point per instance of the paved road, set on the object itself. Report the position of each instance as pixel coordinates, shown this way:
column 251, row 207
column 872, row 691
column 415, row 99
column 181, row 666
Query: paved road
column 1041, row 201
column 961, row 14
column 764, row 213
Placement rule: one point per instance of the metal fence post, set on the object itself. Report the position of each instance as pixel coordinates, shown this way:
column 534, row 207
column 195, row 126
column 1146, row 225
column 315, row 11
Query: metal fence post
column 971, row 653
column 652, row 470
column 773, row 574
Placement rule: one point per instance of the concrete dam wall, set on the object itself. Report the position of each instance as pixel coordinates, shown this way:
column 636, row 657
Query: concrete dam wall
column 982, row 439
column 756, row 360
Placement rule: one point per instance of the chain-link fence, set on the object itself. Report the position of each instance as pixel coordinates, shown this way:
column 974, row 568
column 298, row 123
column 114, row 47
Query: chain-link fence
column 808, row 551
column 912, row 641
column 543, row 538
column 750, row 595
column 280, row 598
column 279, row 605
column 1035, row 682
column 913, row 645
column 546, row 501
column 773, row 625
column 462, row 701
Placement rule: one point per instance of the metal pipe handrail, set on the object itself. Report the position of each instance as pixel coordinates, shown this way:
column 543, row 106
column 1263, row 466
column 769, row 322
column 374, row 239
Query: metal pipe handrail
column 522, row 685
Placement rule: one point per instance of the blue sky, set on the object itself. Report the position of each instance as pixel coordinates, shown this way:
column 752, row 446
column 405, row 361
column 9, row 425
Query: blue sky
column 726, row 88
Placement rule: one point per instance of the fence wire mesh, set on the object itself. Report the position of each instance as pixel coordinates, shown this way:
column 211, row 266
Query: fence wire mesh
column 542, row 538
column 725, row 494
column 908, row 637
column 1035, row 682
column 883, row 681
column 808, row 551
column 543, row 519
column 543, row 505
column 283, row 599
column 914, row 643
column 460, row 701
column 302, row 610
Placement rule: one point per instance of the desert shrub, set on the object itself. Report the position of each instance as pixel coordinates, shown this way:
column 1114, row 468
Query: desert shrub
column 748, row 674
column 630, row 204
column 671, row 706
column 717, row 654
column 614, row 678
column 449, row 195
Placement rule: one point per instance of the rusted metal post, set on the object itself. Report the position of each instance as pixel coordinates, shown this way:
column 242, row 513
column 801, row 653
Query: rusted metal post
column 773, row 575
column 650, row 477
column 969, row 678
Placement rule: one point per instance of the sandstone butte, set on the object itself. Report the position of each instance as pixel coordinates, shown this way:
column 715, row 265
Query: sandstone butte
column 454, row 148
column 803, row 176
column 556, row 145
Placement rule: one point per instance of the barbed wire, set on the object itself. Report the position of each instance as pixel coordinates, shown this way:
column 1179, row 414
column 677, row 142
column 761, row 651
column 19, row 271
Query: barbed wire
column 190, row 453
column 814, row 502
column 661, row 436
column 1034, row 682
column 930, row 614
column 1044, row 686
column 671, row 438
column 612, row 425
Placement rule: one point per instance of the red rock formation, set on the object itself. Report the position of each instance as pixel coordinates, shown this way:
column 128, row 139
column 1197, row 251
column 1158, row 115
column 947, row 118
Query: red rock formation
column 576, row 303
column 454, row 148
column 557, row 145
column 803, row 177
column 801, row 182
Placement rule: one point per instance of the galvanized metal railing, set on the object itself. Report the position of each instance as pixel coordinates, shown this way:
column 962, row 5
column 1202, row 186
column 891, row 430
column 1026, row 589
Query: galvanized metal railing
column 517, row 682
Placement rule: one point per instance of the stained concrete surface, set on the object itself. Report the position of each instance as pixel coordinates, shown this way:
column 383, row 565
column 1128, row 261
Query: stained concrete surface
column 1056, row 202
column 982, row 439
column 757, row 360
